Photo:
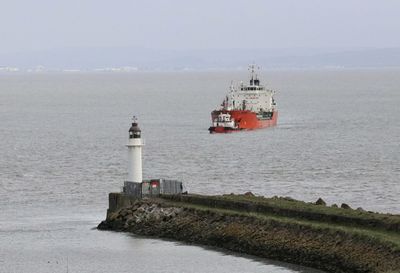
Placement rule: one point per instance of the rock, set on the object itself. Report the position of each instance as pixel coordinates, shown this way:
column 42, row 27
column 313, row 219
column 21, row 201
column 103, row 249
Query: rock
column 249, row 193
column 123, row 213
column 112, row 216
column 126, row 225
column 141, row 210
column 320, row 202
column 138, row 219
column 178, row 210
column 360, row 209
column 334, row 206
column 129, row 211
column 103, row 225
column 345, row 206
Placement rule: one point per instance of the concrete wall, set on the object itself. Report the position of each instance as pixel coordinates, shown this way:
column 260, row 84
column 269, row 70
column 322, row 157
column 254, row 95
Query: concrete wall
column 119, row 200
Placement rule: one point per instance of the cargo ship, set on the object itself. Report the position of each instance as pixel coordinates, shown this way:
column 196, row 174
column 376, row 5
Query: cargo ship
column 245, row 107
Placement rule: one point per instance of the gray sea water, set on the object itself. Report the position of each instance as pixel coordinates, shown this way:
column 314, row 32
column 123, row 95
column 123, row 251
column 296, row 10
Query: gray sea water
column 62, row 151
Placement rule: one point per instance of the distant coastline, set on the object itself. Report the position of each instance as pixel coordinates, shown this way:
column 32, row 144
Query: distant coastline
column 130, row 59
column 122, row 70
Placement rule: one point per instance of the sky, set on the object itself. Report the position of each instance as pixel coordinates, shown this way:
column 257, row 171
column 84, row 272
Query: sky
column 30, row 25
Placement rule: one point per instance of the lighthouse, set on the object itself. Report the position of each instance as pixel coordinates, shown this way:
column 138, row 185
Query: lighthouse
column 134, row 145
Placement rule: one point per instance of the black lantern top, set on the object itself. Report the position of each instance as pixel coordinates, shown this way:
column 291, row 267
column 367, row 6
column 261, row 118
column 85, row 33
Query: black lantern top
column 134, row 131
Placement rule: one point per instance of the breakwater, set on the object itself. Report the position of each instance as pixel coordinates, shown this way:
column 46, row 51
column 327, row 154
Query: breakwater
column 328, row 238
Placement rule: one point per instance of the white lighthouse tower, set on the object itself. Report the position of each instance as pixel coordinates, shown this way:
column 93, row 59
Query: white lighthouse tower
column 135, row 153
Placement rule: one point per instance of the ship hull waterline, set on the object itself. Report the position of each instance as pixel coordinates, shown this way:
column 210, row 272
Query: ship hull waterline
column 245, row 120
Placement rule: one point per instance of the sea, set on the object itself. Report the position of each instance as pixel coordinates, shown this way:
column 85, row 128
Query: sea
column 62, row 150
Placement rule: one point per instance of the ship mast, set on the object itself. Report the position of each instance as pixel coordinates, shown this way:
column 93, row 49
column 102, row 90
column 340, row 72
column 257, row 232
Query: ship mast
column 254, row 78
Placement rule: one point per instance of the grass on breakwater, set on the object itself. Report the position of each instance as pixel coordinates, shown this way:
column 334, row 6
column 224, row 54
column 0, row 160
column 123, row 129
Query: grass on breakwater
column 387, row 237
column 284, row 206
column 327, row 238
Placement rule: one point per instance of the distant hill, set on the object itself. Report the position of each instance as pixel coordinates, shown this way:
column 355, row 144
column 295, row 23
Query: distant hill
column 153, row 59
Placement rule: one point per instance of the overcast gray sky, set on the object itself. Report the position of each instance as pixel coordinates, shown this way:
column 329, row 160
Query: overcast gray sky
column 206, row 24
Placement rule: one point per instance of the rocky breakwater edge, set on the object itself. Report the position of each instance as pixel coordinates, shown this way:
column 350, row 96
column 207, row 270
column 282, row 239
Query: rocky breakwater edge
column 325, row 237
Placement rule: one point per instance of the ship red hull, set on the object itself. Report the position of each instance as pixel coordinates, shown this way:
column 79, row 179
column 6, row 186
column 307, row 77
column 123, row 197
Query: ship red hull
column 245, row 120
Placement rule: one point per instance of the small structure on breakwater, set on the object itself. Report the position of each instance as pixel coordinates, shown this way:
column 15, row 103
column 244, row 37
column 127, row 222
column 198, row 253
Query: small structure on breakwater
column 152, row 188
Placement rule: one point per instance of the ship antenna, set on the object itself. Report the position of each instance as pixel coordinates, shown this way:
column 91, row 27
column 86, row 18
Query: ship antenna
column 258, row 68
column 251, row 69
